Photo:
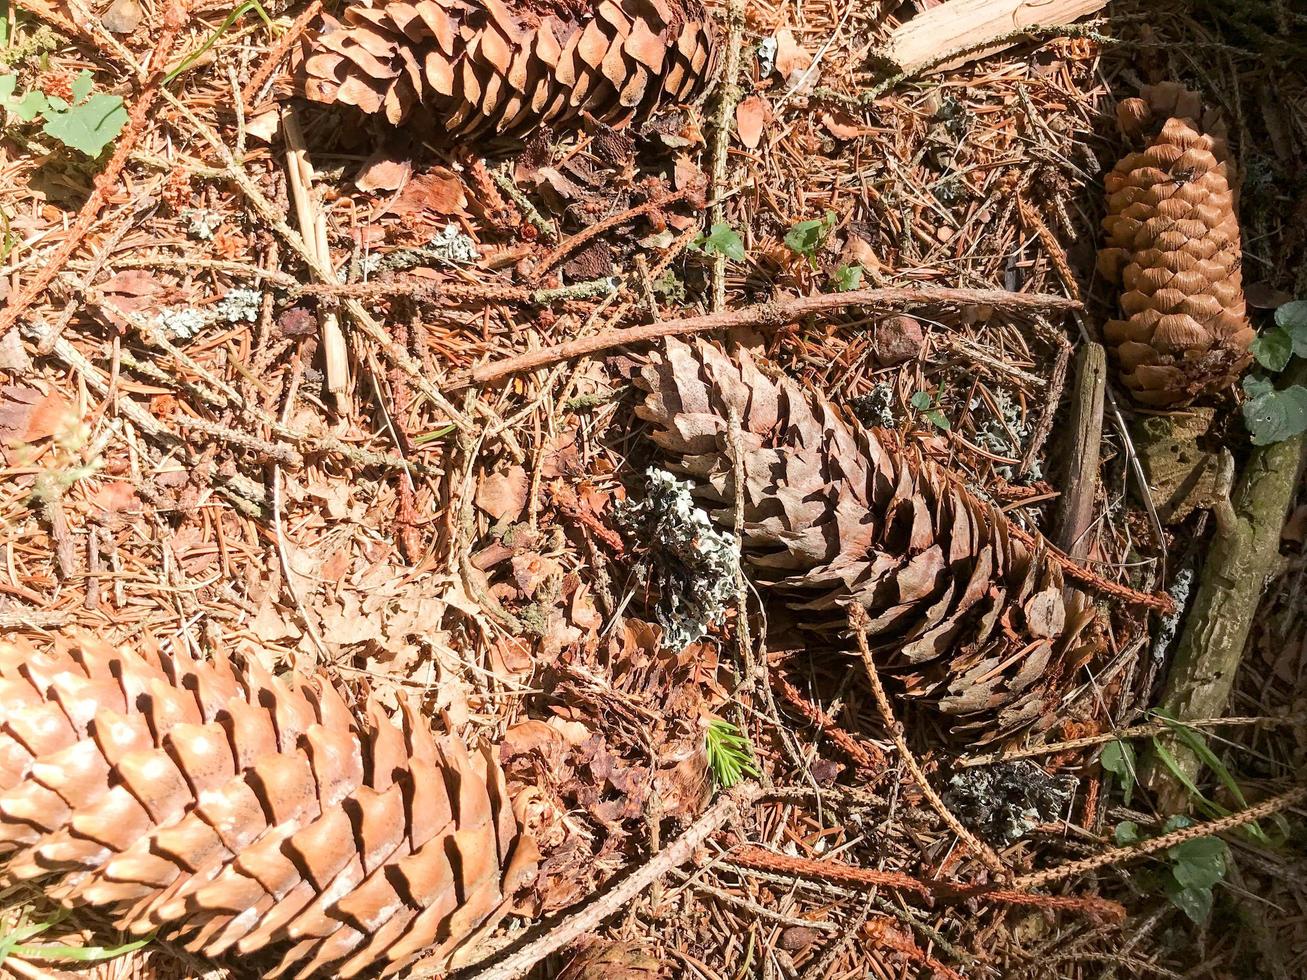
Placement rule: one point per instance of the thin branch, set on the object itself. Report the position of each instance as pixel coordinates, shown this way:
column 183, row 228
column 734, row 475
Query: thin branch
column 776, row 314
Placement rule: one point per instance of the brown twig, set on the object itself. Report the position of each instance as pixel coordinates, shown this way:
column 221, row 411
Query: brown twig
column 278, row 52
column 863, row 754
column 775, row 314
column 106, row 179
column 1073, row 570
column 987, row 855
column 566, row 247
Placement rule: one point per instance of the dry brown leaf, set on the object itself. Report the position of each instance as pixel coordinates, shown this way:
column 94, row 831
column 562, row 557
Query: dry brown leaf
column 842, row 126
column 382, row 172
column 13, row 356
column 751, row 115
column 439, row 191
column 502, row 494
column 122, row 17
column 791, row 59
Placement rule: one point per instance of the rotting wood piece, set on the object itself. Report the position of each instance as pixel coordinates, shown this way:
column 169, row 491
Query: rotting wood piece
column 241, row 813
column 487, row 66
column 966, row 616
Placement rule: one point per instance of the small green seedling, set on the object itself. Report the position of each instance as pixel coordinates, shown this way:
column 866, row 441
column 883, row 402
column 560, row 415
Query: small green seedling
column 721, row 240
column 1275, row 415
column 89, row 123
column 847, row 277
column 1118, row 758
column 237, row 13
column 924, row 402
column 807, row 237
column 730, row 756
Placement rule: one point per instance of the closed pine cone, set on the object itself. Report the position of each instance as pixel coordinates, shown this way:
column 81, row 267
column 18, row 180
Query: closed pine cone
column 1173, row 245
column 242, row 813
column 490, row 66
column 967, row 617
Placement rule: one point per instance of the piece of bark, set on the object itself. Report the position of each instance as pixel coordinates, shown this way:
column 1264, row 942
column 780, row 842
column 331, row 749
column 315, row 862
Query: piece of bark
column 969, row 27
column 1075, row 509
column 1216, row 630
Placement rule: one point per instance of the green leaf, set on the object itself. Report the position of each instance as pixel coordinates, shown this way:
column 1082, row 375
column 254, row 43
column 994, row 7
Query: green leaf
column 1198, row 863
column 82, row 86
column 89, row 127
column 7, row 85
column 847, row 277
column 56, row 103
column 1193, row 902
column 1273, row 416
column 807, row 236
column 1292, row 318
column 723, row 240
column 1126, row 832
column 924, row 403
column 1118, row 758
column 29, row 106
column 1273, row 348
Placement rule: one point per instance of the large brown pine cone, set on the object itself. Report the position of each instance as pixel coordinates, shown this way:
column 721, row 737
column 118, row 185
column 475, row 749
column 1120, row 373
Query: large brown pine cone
column 243, row 813
column 1173, row 245
column 965, row 615
column 490, row 66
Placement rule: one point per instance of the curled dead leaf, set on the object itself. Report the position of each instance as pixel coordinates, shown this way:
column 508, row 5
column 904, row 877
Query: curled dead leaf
column 502, row 494
column 751, row 115
column 791, row 58
column 382, row 172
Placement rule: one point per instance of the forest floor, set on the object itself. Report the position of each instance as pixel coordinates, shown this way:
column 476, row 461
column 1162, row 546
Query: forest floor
column 179, row 460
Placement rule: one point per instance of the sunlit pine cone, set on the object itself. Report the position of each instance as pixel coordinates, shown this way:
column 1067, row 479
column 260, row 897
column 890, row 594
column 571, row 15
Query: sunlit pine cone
column 240, row 813
column 497, row 67
column 1173, row 245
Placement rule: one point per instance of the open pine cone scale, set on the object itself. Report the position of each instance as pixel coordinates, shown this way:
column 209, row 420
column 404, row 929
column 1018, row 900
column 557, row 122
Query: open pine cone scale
column 244, row 813
column 966, row 617
column 489, row 67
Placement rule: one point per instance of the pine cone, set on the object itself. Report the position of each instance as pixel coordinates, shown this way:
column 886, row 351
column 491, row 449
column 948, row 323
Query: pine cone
column 1173, row 243
column 967, row 616
column 482, row 67
column 244, row 813
column 611, row 961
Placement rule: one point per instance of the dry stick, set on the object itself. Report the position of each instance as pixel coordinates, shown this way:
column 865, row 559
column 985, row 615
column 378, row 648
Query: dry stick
column 104, row 183
column 1135, row 731
column 674, row 855
column 1118, row 855
column 987, row 855
column 1076, row 508
column 730, row 97
column 362, row 319
column 776, row 314
column 313, row 227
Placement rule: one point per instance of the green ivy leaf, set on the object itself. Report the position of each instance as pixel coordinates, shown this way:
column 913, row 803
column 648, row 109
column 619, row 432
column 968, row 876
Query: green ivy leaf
column 7, row 85
column 1126, row 832
column 1273, row 348
column 807, row 236
column 90, row 126
column 1198, row 863
column 1273, row 416
column 723, row 240
column 847, row 277
column 1193, row 902
column 1118, row 758
column 1177, row 822
column 1292, row 318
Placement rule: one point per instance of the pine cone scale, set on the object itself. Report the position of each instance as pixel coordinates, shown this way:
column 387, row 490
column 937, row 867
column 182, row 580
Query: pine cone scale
column 248, row 813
